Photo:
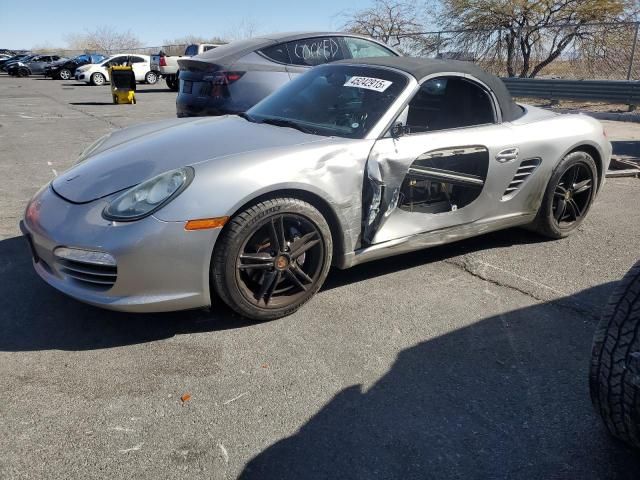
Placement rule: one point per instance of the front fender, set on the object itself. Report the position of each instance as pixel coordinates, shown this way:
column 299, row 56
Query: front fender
column 332, row 171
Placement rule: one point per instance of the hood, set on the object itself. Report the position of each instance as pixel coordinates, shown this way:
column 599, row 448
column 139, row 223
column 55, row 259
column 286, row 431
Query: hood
column 135, row 154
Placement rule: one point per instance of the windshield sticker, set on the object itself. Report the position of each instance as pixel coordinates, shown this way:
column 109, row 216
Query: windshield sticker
column 375, row 84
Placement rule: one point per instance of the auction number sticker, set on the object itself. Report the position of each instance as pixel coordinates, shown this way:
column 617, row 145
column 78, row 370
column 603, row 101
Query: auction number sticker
column 375, row 84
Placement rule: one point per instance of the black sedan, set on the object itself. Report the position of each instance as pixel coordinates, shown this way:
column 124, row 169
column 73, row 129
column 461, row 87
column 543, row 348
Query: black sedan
column 65, row 70
column 4, row 64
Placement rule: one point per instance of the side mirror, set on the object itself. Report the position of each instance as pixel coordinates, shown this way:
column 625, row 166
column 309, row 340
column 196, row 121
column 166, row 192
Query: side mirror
column 398, row 130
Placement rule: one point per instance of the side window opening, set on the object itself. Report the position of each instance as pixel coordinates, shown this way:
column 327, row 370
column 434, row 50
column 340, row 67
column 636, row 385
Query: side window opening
column 315, row 51
column 276, row 53
column 361, row 48
column 449, row 102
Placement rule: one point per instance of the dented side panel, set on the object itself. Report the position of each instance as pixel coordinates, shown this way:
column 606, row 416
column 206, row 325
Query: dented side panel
column 393, row 160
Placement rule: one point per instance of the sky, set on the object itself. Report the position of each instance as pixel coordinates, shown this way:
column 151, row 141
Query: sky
column 29, row 23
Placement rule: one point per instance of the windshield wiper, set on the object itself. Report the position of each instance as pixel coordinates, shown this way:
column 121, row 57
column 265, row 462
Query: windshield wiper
column 283, row 122
column 246, row 116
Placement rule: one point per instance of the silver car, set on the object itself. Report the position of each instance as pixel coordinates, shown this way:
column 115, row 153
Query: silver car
column 350, row 162
column 232, row 78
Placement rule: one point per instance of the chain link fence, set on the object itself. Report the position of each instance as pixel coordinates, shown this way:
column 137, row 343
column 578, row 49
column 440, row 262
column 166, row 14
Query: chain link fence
column 603, row 51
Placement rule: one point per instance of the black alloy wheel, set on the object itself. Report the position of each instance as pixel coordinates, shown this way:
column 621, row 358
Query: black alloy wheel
column 272, row 258
column 572, row 195
column 568, row 196
column 280, row 262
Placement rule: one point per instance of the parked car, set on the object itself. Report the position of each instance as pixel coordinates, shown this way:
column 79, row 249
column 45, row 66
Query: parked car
column 4, row 64
column 167, row 66
column 98, row 73
column 32, row 66
column 350, row 162
column 234, row 77
column 66, row 69
column 614, row 376
column 4, row 56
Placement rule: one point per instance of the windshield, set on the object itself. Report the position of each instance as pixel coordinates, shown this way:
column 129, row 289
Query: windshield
column 332, row 100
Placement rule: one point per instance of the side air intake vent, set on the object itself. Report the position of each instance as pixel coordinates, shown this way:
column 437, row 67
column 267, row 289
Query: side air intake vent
column 526, row 168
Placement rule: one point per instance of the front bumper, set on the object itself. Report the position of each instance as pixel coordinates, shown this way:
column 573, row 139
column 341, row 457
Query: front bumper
column 160, row 265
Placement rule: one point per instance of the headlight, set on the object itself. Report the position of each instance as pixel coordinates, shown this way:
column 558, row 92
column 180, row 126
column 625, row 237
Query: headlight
column 86, row 153
column 144, row 199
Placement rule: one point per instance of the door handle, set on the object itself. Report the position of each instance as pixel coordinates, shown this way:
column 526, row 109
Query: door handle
column 507, row 155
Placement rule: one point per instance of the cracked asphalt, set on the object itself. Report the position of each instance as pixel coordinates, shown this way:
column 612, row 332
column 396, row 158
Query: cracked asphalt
column 463, row 361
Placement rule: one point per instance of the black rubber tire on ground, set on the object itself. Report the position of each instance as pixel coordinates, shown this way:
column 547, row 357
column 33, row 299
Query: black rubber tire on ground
column 545, row 223
column 23, row 72
column 614, row 377
column 172, row 82
column 229, row 247
column 97, row 79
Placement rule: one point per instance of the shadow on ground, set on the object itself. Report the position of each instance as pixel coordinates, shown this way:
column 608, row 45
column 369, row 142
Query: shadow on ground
column 37, row 317
column 91, row 103
column 505, row 398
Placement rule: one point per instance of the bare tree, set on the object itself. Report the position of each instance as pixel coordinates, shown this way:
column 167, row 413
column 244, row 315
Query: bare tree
column 531, row 33
column 391, row 21
column 104, row 39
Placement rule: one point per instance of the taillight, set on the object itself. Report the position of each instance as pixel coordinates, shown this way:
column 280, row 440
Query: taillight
column 227, row 78
column 221, row 82
column 163, row 62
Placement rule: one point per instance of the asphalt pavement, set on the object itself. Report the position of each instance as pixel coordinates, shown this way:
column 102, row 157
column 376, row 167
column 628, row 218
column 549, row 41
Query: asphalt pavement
column 463, row 361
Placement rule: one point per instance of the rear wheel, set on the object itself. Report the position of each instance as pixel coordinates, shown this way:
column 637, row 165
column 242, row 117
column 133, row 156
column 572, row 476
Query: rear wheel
column 97, row 79
column 568, row 197
column 172, row 82
column 272, row 258
column 614, row 377
column 64, row 74
column 151, row 78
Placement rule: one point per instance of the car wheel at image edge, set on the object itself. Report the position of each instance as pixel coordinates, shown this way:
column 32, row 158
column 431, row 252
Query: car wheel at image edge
column 272, row 258
column 614, row 377
column 568, row 197
column 97, row 79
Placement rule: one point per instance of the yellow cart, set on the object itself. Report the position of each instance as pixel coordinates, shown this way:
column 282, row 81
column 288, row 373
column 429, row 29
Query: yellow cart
column 123, row 84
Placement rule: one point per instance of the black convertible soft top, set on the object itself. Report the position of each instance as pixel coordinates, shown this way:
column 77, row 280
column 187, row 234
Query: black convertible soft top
column 422, row 67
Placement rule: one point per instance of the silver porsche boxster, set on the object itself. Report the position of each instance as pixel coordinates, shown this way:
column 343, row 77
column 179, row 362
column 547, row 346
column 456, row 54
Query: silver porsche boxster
column 350, row 162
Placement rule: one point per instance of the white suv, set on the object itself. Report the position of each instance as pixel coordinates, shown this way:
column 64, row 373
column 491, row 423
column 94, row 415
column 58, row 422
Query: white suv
column 98, row 73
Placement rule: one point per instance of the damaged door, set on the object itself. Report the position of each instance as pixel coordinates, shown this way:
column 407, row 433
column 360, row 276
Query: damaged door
column 436, row 171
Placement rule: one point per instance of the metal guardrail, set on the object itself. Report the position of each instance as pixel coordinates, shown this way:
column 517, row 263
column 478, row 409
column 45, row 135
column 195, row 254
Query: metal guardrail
column 623, row 92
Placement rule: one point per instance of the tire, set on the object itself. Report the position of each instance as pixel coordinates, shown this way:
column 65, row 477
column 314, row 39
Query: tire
column 151, row 78
column 22, row 72
column 64, row 74
column 256, row 276
column 97, row 79
column 115, row 99
column 563, row 195
column 614, row 377
column 173, row 82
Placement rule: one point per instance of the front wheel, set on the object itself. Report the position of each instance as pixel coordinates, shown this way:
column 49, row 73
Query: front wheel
column 151, row 78
column 568, row 197
column 23, row 72
column 97, row 79
column 272, row 258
